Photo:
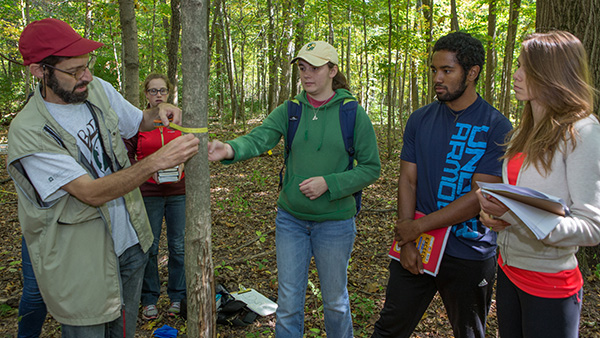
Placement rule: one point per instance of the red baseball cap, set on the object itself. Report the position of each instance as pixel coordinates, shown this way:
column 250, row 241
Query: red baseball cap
column 46, row 37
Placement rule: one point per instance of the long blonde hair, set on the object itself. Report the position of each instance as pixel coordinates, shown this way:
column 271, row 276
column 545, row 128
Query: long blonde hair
column 558, row 77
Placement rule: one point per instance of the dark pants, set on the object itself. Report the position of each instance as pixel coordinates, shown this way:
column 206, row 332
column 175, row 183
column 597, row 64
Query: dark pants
column 523, row 315
column 465, row 287
column 32, row 309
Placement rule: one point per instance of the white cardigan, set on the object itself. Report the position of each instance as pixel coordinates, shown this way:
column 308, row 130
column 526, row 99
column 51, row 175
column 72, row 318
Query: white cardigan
column 574, row 177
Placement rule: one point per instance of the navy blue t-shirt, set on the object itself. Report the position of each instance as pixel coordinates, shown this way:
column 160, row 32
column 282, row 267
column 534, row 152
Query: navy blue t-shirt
column 448, row 148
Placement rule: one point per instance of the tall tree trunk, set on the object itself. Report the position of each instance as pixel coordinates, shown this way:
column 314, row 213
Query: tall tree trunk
column 366, row 102
column 272, row 75
column 130, row 52
column 116, row 56
column 88, row 20
column 25, row 18
column 454, row 20
column 504, row 104
column 217, row 37
column 388, row 95
column 152, row 36
column 229, row 63
column 428, row 15
column 331, row 37
column 201, row 321
column 348, row 44
column 491, row 53
column 173, row 48
column 298, row 43
column 404, row 67
column 287, row 48
column 581, row 18
column 414, row 84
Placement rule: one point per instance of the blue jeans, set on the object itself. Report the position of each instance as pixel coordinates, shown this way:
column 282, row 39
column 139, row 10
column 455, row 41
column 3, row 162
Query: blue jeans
column 330, row 243
column 32, row 309
column 172, row 208
column 131, row 270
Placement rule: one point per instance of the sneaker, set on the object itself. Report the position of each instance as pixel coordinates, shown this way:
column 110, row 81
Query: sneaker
column 150, row 312
column 174, row 309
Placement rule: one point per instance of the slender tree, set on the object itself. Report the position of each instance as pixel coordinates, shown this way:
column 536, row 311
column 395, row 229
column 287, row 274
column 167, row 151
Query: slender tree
column 298, row 43
column 504, row 104
column 272, row 75
column 454, row 20
column 173, row 48
column 201, row 321
column 131, row 67
column 428, row 15
column 490, row 60
column 388, row 95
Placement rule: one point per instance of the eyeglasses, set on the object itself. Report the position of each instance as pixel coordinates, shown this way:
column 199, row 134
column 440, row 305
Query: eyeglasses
column 154, row 91
column 79, row 72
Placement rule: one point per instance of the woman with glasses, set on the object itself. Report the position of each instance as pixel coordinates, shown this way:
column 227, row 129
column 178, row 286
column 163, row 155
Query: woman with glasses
column 164, row 198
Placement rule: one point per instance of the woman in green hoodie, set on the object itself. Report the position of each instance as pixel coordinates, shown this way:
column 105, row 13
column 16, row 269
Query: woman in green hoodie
column 316, row 206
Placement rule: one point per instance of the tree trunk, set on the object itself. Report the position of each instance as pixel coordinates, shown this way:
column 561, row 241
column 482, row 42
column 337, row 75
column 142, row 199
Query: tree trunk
column 287, row 49
column 298, row 43
column 579, row 17
column 201, row 321
column 217, row 37
column 366, row 102
column 131, row 71
column 151, row 33
column 504, row 104
column 388, row 95
column 348, row 44
column 116, row 56
column 331, row 37
column 428, row 15
column 454, row 19
column 173, row 48
column 229, row 63
column 26, row 20
column 491, row 53
column 272, row 75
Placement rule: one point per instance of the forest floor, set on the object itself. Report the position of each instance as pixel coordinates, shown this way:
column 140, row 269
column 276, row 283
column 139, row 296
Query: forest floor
column 243, row 198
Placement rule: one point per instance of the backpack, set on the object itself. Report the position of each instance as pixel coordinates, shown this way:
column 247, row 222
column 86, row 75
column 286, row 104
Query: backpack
column 229, row 310
column 347, row 121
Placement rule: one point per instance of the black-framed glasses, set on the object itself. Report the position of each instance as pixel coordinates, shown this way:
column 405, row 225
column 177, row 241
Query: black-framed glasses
column 80, row 71
column 154, row 91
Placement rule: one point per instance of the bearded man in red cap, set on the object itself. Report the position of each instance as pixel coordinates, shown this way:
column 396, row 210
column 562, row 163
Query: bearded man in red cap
column 80, row 209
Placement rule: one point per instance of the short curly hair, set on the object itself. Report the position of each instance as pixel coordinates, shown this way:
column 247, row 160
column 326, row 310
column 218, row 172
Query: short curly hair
column 469, row 51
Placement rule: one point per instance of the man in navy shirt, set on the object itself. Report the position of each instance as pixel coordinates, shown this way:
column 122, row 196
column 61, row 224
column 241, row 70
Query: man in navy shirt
column 448, row 146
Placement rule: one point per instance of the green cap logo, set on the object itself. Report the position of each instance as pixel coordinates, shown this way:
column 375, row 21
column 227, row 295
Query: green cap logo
column 311, row 46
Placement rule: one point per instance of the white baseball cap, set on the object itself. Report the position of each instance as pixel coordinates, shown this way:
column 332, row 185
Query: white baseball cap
column 317, row 53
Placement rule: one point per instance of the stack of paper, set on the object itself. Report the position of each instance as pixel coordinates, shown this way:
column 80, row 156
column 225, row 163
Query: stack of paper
column 256, row 301
column 540, row 212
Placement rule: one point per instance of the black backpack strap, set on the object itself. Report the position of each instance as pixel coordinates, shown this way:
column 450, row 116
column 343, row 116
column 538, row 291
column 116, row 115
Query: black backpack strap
column 294, row 110
column 347, row 123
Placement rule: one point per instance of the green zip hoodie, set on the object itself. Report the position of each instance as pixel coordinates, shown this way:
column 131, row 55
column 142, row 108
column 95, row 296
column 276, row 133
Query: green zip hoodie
column 317, row 150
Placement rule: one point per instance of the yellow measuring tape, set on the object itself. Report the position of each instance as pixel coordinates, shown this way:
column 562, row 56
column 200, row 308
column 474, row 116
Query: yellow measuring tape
column 188, row 130
column 158, row 123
